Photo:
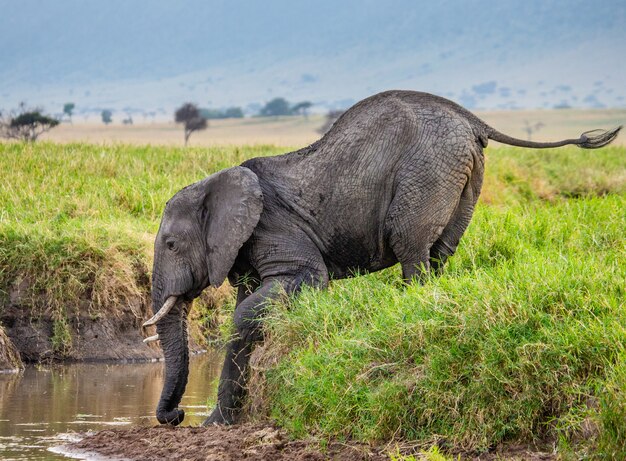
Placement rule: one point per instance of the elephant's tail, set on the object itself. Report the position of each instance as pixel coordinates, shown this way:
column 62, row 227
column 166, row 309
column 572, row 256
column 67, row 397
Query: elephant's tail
column 588, row 140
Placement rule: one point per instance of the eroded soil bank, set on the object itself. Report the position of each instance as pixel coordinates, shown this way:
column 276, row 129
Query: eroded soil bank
column 34, row 333
column 115, row 337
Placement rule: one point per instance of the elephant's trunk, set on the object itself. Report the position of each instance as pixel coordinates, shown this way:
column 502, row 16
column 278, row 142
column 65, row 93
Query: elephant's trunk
column 172, row 331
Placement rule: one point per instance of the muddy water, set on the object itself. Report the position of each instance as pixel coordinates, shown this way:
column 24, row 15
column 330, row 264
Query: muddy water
column 42, row 407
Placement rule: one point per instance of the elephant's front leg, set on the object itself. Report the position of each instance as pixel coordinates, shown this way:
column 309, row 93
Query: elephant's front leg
column 232, row 386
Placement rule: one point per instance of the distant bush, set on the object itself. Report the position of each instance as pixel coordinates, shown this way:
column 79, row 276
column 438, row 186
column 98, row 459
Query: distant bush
column 68, row 109
column 25, row 124
column 233, row 112
column 302, row 108
column 217, row 114
column 276, row 107
column 280, row 106
column 106, row 116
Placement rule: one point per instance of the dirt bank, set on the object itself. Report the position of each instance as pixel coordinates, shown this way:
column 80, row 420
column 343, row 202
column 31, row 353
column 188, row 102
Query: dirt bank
column 242, row 442
column 85, row 336
column 110, row 333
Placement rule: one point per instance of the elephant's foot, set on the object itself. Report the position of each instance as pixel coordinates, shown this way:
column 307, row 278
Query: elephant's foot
column 173, row 417
column 219, row 416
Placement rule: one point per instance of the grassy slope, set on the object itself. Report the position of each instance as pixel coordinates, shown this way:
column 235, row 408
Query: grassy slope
column 522, row 336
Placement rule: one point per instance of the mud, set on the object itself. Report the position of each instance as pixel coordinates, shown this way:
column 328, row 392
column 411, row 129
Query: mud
column 259, row 442
column 263, row 442
column 514, row 452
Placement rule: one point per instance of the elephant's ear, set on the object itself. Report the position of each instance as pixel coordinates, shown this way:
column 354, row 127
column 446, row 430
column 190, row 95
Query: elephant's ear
column 232, row 206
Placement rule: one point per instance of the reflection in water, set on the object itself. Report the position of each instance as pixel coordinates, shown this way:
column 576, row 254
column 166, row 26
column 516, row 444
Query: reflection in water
column 40, row 404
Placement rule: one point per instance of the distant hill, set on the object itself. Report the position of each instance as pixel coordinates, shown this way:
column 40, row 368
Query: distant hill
column 151, row 55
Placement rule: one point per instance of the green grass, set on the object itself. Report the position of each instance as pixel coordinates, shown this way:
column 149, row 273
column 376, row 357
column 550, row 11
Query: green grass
column 77, row 222
column 522, row 175
column 522, row 337
column 432, row 454
column 524, row 324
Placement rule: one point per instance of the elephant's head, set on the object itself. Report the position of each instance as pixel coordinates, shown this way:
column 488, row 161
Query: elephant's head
column 202, row 230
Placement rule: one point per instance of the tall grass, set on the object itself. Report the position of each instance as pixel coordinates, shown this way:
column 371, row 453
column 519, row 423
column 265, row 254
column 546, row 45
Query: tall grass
column 521, row 338
column 77, row 222
column 510, row 342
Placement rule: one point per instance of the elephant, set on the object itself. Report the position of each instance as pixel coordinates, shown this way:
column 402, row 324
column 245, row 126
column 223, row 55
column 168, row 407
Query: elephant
column 395, row 180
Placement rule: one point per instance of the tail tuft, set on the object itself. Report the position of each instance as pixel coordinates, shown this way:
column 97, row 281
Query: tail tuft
column 598, row 139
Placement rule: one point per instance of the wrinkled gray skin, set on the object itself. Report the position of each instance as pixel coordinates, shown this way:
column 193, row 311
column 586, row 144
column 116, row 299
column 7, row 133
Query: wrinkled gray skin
column 395, row 180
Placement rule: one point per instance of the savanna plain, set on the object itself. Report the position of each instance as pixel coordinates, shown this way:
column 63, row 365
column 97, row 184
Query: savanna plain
column 516, row 351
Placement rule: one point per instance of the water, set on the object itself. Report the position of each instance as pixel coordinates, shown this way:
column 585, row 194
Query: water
column 45, row 406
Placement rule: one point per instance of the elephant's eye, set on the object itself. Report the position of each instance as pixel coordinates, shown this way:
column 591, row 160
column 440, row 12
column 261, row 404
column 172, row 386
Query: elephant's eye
column 171, row 244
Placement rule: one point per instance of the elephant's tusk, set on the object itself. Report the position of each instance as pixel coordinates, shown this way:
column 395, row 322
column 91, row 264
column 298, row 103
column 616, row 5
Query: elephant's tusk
column 167, row 306
column 151, row 338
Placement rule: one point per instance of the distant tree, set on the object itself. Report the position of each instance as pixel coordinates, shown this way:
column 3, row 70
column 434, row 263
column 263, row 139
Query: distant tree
column 68, row 109
column 25, row 124
column 213, row 114
column 107, row 116
column 302, row 108
column 563, row 105
column 530, row 129
column 331, row 118
column 233, row 112
column 189, row 115
column 210, row 114
column 128, row 120
column 276, row 107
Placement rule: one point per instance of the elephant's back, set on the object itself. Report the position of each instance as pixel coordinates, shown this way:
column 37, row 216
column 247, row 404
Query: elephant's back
column 340, row 188
column 403, row 115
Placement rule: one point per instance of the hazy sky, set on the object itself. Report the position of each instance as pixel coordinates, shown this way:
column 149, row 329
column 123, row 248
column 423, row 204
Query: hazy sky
column 152, row 54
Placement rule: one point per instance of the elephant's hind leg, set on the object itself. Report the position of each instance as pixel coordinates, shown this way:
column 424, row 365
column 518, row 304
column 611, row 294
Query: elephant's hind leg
column 415, row 221
column 448, row 241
